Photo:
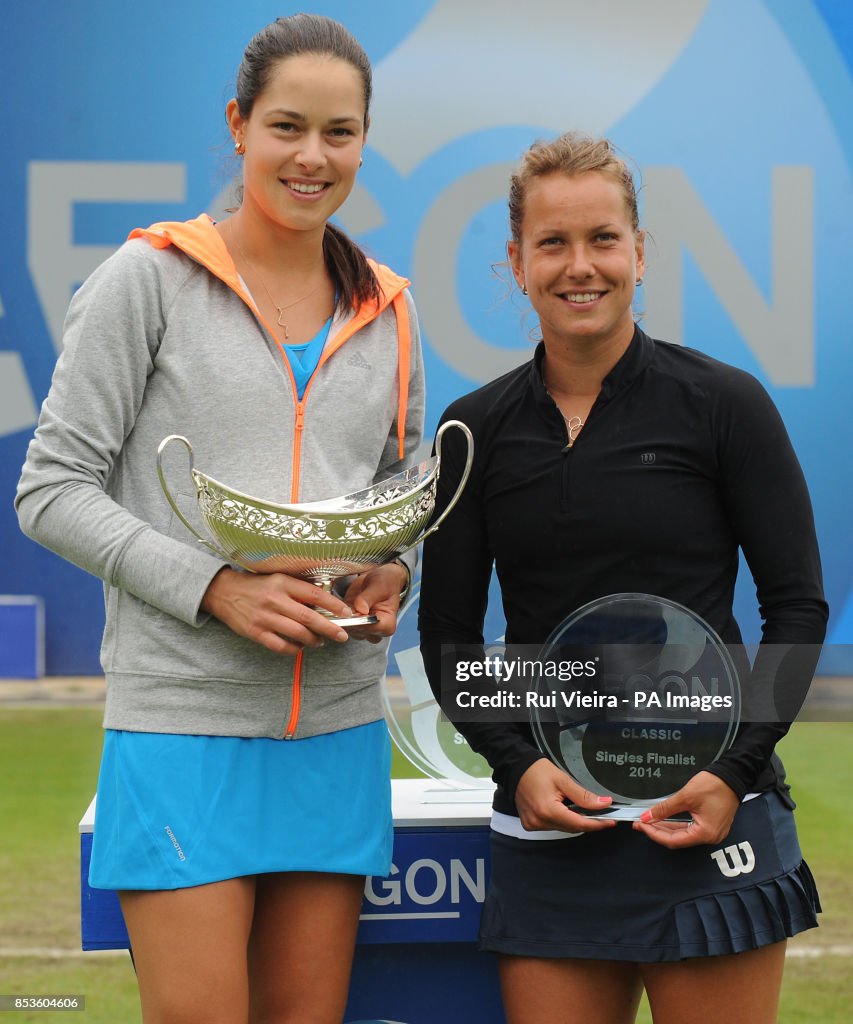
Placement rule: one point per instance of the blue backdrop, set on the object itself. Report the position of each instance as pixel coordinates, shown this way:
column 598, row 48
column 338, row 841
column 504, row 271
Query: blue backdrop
column 739, row 114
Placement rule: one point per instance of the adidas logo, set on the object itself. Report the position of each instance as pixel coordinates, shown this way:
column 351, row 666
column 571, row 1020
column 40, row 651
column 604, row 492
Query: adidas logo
column 357, row 359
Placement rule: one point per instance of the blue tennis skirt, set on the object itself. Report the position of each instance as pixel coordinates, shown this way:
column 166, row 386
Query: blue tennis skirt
column 176, row 811
column 617, row 895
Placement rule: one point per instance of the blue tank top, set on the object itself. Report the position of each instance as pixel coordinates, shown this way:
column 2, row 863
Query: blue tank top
column 303, row 358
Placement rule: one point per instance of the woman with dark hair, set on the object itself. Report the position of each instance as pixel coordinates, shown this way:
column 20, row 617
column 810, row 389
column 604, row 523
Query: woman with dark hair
column 293, row 365
column 612, row 463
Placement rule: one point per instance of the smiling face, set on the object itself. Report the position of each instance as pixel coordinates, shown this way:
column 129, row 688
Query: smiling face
column 303, row 141
column 579, row 258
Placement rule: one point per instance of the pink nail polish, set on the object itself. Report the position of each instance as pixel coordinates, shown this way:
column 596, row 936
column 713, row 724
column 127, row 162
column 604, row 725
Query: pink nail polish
column 646, row 816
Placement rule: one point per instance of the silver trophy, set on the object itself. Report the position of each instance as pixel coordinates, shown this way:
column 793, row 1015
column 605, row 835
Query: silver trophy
column 320, row 541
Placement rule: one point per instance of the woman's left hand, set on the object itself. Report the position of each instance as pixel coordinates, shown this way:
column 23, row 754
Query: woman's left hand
column 711, row 804
column 376, row 592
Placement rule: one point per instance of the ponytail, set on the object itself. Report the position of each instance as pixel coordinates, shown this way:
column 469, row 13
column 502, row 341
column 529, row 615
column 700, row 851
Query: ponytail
column 355, row 283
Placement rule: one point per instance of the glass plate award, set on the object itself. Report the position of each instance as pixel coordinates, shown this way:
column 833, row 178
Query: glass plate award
column 635, row 695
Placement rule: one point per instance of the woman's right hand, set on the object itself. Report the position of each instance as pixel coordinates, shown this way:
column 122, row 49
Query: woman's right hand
column 274, row 610
column 540, row 796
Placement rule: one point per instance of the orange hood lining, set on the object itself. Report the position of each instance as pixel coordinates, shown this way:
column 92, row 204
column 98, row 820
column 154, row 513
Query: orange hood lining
column 200, row 240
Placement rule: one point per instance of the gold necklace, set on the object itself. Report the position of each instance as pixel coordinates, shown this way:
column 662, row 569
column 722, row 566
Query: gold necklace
column 573, row 423
column 279, row 309
column 573, row 426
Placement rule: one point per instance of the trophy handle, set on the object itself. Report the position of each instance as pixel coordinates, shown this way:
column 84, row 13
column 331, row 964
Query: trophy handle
column 466, row 472
column 162, row 448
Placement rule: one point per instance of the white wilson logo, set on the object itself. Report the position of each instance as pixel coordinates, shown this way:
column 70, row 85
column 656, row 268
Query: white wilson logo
column 735, row 860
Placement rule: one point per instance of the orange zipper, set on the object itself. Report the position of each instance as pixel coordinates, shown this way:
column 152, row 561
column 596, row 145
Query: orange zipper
column 299, row 426
column 297, row 698
column 294, row 496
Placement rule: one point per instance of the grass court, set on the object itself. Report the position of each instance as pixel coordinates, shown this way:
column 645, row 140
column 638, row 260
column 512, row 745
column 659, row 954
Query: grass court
column 48, row 770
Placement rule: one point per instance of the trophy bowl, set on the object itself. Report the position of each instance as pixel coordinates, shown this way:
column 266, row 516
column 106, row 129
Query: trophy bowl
column 319, row 541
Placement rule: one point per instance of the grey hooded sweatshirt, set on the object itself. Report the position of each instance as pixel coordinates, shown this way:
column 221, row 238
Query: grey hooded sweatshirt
column 163, row 339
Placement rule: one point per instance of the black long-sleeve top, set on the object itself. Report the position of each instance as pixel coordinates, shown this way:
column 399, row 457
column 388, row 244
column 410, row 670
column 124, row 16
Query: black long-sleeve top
column 682, row 461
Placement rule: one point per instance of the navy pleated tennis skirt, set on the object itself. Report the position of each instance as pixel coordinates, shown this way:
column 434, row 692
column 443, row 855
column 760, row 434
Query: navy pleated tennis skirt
column 617, row 895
